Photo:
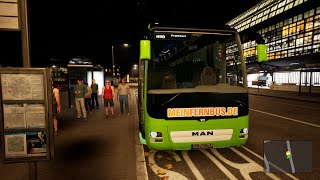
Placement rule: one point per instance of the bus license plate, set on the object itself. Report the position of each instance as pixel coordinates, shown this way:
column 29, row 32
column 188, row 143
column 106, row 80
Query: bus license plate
column 201, row 146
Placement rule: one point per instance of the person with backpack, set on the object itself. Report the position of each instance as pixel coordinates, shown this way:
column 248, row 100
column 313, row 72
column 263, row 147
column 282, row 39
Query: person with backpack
column 107, row 98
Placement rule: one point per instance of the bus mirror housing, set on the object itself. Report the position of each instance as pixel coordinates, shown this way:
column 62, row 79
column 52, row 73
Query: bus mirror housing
column 262, row 53
column 145, row 50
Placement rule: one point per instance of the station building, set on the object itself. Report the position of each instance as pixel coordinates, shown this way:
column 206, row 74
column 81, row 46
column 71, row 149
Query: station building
column 291, row 31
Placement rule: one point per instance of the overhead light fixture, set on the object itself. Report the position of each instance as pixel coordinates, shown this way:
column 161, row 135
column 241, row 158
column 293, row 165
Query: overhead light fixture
column 293, row 64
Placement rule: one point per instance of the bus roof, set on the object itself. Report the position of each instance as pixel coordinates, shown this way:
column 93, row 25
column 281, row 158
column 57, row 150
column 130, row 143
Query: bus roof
column 189, row 26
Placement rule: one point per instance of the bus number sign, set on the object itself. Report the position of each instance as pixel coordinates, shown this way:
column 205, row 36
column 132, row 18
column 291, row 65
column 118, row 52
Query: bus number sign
column 165, row 36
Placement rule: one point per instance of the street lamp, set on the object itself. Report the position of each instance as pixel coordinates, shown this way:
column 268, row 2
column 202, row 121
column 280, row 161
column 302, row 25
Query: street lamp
column 113, row 66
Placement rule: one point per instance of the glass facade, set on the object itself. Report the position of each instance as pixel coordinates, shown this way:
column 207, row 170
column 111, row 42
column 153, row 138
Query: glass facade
column 295, row 36
column 261, row 12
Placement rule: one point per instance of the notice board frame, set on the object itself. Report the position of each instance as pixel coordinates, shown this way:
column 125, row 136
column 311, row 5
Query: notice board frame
column 46, row 101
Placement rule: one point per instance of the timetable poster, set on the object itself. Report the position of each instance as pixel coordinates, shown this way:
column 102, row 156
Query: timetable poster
column 15, row 145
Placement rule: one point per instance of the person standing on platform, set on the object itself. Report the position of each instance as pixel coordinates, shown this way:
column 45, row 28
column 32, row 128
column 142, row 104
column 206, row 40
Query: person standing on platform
column 94, row 95
column 80, row 89
column 123, row 95
column 107, row 98
column 87, row 98
column 56, row 109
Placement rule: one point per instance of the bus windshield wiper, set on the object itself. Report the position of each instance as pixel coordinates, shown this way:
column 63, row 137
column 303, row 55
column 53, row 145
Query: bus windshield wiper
column 240, row 103
column 170, row 99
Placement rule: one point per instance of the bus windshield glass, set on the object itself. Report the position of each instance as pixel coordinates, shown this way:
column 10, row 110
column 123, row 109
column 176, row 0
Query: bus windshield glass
column 185, row 60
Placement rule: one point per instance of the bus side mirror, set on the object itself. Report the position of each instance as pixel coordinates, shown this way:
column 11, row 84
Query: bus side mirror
column 145, row 50
column 262, row 53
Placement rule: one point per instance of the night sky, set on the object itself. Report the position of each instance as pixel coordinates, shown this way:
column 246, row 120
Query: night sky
column 68, row 28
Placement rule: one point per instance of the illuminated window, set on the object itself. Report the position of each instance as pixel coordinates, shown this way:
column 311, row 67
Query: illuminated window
column 272, row 14
column 271, row 56
column 284, row 43
column 299, row 40
column 317, row 21
column 278, row 33
column 278, row 55
column 271, row 46
column 245, row 45
column 284, row 54
column 298, row 51
column 298, row 2
column 309, row 24
column 278, row 45
column 309, row 13
column 318, row 10
column 292, row 41
column 308, row 38
column 316, row 48
column 291, row 53
column 307, row 50
column 285, row 31
column 280, row 10
column 253, row 51
column 292, row 29
column 300, row 26
column 289, row 6
column 316, row 38
column 258, row 21
column 245, row 53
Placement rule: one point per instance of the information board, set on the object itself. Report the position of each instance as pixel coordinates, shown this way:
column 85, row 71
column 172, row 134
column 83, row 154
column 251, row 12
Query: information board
column 26, row 114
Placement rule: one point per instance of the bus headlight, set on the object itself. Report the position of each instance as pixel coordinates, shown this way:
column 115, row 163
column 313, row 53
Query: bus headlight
column 155, row 134
column 244, row 131
column 156, row 137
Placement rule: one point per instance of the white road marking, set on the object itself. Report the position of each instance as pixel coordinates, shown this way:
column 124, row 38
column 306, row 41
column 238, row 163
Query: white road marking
column 193, row 168
column 174, row 155
column 220, row 166
column 255, row 154
column 155, row 168
column 291, row 104
column 290, row 119
column 247, row 168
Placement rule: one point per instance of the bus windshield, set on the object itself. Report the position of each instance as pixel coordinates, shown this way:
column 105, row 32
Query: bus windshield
column 189, row 69
column 192, row 61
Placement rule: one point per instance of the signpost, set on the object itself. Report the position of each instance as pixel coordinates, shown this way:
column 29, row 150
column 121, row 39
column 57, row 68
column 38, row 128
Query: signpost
column 26, row 127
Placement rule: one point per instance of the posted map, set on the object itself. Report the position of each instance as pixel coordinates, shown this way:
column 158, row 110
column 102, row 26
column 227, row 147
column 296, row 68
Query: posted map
column 22, row 86
column 288, row 156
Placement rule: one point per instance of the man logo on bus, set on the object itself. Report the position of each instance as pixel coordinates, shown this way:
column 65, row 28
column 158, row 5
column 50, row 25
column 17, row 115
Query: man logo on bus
column 203, row 133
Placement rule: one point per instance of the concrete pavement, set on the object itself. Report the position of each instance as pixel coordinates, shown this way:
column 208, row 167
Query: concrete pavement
column 315, row 97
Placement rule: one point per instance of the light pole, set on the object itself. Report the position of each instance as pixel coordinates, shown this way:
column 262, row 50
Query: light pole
column 135, row 66
column 113, row 66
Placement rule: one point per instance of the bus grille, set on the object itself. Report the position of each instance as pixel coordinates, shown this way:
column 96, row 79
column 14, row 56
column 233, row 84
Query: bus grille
column 201, row 135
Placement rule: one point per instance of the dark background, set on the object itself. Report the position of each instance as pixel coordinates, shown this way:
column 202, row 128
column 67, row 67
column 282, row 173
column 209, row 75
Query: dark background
column 65, row 29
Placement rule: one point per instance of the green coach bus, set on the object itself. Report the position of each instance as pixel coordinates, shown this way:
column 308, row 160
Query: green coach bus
column 192, row 89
